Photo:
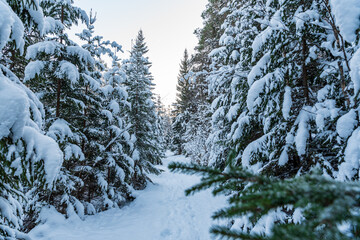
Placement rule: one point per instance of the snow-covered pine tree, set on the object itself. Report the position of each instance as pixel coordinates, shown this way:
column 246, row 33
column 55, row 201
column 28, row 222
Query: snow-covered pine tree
column 60, row 72
column 29, row 159
column 115, row 164
column 92, row 125
column 107, row 166
column 227, row 79
column 198, row 126
column 191, row 125
column 296, row 85
column 162, row 122
column 165, row 119
column 284, row 74
column 198, row 129
column 183, row 107
column 337, row 109
column 209, row 34
column 208, row 40
column 142, row 115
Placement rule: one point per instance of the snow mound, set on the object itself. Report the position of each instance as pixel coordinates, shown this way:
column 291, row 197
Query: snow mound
column 347, row 17
column 14, row 109
column 346, row 124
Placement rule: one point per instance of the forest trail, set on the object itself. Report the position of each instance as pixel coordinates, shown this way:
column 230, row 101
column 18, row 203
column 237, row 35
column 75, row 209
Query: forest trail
column 160, row 212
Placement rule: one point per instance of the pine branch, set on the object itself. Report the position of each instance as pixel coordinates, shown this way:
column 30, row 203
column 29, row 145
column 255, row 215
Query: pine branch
column 225, row 233
column 193, row 169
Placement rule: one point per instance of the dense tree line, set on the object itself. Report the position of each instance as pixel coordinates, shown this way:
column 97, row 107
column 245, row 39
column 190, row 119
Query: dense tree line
column 282, row 88
column 76, row 134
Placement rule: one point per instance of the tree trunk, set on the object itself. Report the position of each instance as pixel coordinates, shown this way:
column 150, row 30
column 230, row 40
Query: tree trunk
column 58, row 90
column 305, row 77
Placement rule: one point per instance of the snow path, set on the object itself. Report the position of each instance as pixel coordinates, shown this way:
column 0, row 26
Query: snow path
column 160, row 212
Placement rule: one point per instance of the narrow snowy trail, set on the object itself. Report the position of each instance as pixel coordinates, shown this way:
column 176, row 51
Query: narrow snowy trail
column 160, row 212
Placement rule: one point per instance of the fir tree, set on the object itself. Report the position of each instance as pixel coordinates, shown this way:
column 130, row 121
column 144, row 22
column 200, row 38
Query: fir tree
column 162, row 122
column 63, row 69
column 115, row 165
column 142, row 115
column 227, row 80
column 29, row 159
column 183, row 106
column 197, row 127
column 165, row 118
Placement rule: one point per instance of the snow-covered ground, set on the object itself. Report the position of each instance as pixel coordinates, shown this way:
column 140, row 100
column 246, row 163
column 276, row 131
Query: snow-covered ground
column 161, row 211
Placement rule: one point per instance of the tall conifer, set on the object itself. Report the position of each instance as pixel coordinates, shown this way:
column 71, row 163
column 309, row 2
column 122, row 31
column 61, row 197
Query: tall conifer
column 142, row 115
column 183, row 106
column 29, row 160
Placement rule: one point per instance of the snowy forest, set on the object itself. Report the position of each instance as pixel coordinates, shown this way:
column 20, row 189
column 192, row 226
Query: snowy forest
column 267, row 119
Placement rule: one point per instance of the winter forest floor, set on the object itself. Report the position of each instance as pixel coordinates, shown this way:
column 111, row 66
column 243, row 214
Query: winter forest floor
column 161, row 211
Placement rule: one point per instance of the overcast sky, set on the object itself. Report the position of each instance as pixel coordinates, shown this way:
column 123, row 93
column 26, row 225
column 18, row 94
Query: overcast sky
column 168, row 26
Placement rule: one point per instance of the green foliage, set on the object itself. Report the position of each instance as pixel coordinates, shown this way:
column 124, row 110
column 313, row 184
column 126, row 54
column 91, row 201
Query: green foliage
column 64, row 11
column 211, row 30
column 327, row 209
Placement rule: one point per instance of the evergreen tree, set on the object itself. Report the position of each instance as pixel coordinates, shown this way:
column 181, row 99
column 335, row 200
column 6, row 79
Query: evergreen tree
column 163, row 121
column 63, row 69
column 199, row 127
column 227, row 79
column 165, row 116
column 197, row 132
column 142, row 115
column 211, row 31
column 108, row 168
column 183, row 106
column 29, row 159
column 117, row 167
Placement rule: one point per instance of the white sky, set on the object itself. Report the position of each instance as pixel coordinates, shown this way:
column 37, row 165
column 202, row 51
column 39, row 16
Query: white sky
column 168, row 26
